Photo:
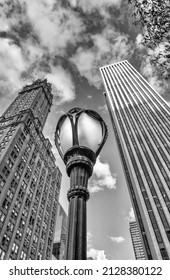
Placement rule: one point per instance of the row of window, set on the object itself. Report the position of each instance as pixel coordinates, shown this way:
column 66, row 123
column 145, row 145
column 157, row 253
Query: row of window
column 147, row 202
column 143, row 87
column 150, row 184
column 139, row 92
column 140, row 141
column 133, row 196
column 21, row 192
column 164, row 195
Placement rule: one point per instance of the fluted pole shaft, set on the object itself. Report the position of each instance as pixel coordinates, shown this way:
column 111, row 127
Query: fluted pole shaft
column 79, row 168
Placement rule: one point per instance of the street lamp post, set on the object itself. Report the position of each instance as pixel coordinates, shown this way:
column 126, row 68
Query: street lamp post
column 79, row 137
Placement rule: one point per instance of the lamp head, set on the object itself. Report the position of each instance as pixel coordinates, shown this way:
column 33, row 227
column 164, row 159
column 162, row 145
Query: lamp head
column 81, row 129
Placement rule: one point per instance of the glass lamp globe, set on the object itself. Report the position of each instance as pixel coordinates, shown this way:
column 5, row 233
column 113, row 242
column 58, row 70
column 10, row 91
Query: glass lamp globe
column 80, row 128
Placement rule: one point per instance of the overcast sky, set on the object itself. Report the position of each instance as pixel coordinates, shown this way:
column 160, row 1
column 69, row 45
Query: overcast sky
column 66, row 42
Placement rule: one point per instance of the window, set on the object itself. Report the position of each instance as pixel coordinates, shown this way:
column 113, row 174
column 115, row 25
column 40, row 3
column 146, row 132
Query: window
column 17, row 148
column 14, row 214
column 35, row 239
column 33, row 250
column 2, row 182
column 22, row 136
column 14, row 248
column 49, row 241
column 20, row 166
column 17, row 204
column 27, row 174
column 25, row 212
column 9, row 163
column 7, row 137
column 22, row 223
column 2, row 216
column 23, row 255
column 33, row 185
column 48, row 253
column 44, row 225
column 2, row 254
column 27, row 202
column 5, row 239
column 29, row 231
column 1, row 132
column 9, row 194
column 21, row 193
column 25, row 130
column 5, row 204
column 1, row 148
column 31, row 220
column 39, row 257
column 14, row 184
column 18, row 234
column 30, row 194
column 5, row 171
column 24, row 185
column 26, row 243
column 43, row 234
column 24, row 159
column 164, row 254
column 29, row 122
column 10, row 226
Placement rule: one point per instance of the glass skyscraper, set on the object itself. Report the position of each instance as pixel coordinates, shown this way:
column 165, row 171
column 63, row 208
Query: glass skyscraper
column 60, row 234
column 29, row 178
column 136, row 241
column 141, row 123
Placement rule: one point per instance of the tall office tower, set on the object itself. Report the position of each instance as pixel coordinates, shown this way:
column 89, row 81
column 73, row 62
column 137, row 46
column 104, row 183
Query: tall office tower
column 29, row 178
column 141, row 121
column 60, row 234
column 136, row 241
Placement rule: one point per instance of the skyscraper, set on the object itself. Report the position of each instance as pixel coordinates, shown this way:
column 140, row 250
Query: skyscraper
column 141, row 121
column 136, row 241
column 29, row 178
column 60, row 234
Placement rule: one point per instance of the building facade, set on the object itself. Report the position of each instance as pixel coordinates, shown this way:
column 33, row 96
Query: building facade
column 141, row 121
column 60, row 234
column 29, row 178
column 136, row 241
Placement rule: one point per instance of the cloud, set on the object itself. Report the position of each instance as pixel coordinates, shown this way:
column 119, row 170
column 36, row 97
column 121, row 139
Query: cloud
column 39, row 30
column 94, row 188
column 32, row 51
column 108, row 47
column 102, row 177
column 14, row 64
column 139, row 38
column 103, row 108
column 131, row 216
column 42, row 30
column 63, row 86
column 92, row 252
column 89, row 5
column 149, row 72
column 118, row 239
column 3, row 25
column 89, row 240
column 96, row 254
column 10, row 14
column 11, row 66
column 54, row 25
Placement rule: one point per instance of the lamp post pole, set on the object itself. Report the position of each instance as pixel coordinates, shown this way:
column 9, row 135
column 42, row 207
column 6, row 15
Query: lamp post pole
column 79, row 155
column 79, row 168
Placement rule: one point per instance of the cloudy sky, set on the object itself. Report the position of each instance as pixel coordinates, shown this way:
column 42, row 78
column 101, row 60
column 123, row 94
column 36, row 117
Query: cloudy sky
column 66, row 41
